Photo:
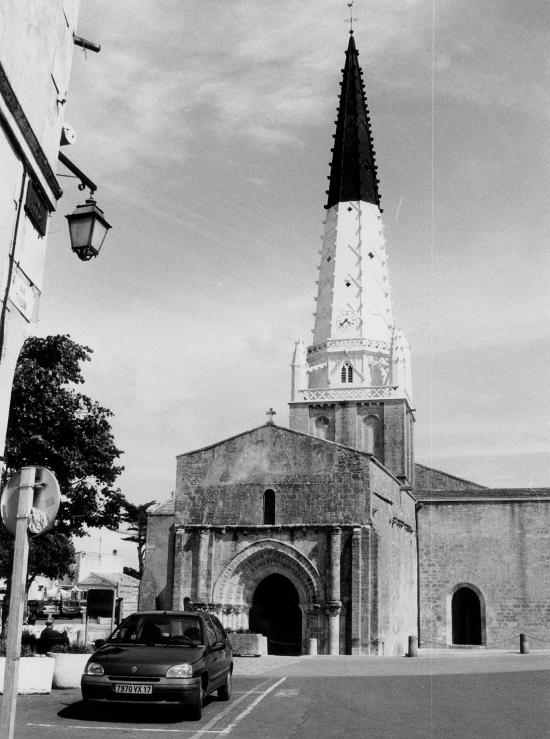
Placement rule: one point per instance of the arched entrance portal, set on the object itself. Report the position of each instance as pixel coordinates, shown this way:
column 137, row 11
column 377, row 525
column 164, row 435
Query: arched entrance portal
column 276, row 613
column 466, row 617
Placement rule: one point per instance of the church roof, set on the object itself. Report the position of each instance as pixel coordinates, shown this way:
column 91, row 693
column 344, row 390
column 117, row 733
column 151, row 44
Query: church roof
column 163, row 509
column 353, row 168
column 482, row 495
column 428, row 478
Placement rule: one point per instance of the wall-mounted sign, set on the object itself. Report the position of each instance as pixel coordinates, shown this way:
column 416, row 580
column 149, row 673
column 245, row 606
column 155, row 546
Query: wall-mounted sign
column 36, row 209
column 23, row 294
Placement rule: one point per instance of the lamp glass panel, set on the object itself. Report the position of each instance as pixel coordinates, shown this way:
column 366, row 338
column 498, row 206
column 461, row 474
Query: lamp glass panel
column 98, row 234
column 80, row 228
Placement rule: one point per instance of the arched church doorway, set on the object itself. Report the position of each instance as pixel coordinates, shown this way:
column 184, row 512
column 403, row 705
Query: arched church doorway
column 276, row 613
column 466, row 617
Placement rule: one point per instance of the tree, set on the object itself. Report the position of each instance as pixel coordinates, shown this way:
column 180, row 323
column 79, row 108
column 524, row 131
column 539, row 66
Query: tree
column 136, row 516
column 53, row 425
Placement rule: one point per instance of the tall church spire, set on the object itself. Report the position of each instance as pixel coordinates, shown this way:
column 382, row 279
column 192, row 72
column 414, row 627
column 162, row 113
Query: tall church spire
column 353, row 383
column 353, row 168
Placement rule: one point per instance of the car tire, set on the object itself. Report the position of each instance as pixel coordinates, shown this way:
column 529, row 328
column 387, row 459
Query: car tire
column 224, row 692
column 196, row 706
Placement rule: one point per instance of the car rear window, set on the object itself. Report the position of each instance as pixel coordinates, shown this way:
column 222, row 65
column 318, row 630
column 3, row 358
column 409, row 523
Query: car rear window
column 181, row 630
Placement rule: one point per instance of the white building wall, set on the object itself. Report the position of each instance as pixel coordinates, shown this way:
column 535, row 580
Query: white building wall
column 36, row 51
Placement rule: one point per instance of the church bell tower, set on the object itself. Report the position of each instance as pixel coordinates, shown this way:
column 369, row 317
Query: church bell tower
column 353, row 384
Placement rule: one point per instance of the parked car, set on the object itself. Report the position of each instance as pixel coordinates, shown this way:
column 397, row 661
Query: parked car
column 161, row 657
column 70, row 608
column 49, row 608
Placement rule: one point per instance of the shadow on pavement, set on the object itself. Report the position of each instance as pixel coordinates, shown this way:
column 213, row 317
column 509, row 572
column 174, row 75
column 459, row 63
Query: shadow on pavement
column 129, row 713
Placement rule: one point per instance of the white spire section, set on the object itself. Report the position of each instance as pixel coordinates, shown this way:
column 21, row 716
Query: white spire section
column 299, row 370
column 357, row 351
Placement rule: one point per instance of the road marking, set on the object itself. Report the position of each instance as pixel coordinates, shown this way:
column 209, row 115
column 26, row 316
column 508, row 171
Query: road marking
column 248, row 709
column 122, row 728
column 224, row 713
column 288, row 693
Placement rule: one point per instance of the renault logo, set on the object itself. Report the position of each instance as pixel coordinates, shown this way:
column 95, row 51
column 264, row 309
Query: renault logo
column 134, row 669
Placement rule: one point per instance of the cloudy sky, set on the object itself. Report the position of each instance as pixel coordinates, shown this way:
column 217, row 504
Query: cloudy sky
column 208, row 126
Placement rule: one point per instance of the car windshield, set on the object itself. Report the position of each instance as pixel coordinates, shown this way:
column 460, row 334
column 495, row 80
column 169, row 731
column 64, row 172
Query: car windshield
column 177, row 629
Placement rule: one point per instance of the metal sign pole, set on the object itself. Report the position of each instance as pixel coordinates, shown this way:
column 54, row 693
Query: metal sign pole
column 17, row 599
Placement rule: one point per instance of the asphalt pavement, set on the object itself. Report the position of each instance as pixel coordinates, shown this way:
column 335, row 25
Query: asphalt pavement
column 502, row 695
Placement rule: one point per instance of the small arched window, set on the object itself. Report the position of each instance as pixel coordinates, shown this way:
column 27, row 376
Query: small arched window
column 269, row 507
column 346, row 375
column 322, row 425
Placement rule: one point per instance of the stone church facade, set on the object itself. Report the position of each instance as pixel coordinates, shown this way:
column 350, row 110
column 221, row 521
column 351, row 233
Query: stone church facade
column 328, row 529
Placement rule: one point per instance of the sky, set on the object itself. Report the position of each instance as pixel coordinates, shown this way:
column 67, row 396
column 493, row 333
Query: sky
column 207, row 128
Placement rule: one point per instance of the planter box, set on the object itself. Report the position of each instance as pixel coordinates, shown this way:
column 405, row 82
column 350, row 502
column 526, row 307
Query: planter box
column 248, row 645
column 68, row 669
column 35, row 674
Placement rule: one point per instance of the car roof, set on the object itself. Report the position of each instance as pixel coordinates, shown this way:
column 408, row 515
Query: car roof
column 198, row 614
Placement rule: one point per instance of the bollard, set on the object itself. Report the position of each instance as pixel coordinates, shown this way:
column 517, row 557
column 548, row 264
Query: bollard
column 413, row 646
column 523, row 644
column 312, row 651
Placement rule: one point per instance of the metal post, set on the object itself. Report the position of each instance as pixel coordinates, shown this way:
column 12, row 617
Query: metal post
column 413, row 646
column 17, row 599
column 523, row 644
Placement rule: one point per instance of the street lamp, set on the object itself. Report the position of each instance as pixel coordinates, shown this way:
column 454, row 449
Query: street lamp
column 87, row 229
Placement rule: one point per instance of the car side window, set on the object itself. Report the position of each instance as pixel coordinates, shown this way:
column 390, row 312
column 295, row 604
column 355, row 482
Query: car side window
column 218, row 628
column 212, row 639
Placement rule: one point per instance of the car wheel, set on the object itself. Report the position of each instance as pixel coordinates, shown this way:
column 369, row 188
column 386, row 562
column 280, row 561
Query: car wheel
column 224, row 692
column 196, row 706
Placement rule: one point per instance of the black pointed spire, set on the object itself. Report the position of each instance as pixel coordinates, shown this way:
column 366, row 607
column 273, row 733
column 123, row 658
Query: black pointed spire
column 353, row 168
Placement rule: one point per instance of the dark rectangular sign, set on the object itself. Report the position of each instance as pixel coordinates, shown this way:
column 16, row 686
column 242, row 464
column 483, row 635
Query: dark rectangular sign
column 100, row 603
column 36, row 209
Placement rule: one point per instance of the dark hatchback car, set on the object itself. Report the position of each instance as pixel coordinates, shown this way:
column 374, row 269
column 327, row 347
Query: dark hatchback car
column 161, row 657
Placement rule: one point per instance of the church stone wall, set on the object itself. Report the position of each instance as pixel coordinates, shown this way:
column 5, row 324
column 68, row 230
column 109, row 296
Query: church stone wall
column 313, row 481
column 498, row 548
column 393, row 566
column 155, row 589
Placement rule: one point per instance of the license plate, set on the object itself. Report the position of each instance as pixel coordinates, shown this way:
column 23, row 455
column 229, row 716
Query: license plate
column 133, row 688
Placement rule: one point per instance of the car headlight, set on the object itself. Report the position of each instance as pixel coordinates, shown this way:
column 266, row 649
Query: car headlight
column 184, row 670
column 93, row 668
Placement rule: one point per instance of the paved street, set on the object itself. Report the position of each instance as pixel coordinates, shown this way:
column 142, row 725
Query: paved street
column 442, row 695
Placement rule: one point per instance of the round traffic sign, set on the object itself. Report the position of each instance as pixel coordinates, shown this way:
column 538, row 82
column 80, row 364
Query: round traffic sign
column 45, row 504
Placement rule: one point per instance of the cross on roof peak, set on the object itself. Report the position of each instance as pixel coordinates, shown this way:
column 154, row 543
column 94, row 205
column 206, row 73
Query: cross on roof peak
column 270, row 413
column 351, row 19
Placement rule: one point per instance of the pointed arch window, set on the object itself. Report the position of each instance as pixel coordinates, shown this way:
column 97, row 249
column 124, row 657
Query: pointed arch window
column 370, row 434
column 322, row 426
column 346, row 374
column 269, row 507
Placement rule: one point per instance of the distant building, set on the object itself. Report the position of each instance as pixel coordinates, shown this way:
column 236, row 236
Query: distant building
column 36, row 50
column 98, row 562
column 329, row 530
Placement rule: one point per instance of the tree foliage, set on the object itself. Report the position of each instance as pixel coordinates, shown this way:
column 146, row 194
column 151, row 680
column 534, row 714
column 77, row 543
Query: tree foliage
column 54, row 425
column 136, row 517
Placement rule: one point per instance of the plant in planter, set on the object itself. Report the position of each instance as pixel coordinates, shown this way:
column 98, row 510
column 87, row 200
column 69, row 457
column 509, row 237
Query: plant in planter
column 70, row 661
column 35, row 672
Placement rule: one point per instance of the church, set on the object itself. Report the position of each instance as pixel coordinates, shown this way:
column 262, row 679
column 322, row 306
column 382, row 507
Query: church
column 329, row 529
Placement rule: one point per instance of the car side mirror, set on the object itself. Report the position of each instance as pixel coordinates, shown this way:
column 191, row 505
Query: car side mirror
column 99, row 643
column 217, row 646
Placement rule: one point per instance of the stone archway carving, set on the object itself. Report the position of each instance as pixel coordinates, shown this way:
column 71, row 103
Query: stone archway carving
column 239, row 579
